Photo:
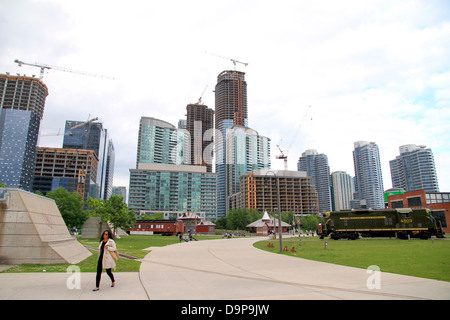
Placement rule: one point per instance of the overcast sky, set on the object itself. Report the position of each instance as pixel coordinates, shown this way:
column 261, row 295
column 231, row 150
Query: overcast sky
column 370, row 70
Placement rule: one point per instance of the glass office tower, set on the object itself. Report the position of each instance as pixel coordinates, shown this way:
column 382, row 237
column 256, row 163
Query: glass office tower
column 369, row 178
column 246, row 151
column 92, row 136
column 172, row 188
column 22, row 102
column 316, row 166
column 414, row 169
column 162, row 142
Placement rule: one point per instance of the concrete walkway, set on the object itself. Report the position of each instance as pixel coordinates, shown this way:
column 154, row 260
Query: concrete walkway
column 221, row 270
column 234, row 269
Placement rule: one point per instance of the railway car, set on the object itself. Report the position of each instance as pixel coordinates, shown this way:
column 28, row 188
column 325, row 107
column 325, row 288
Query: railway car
column 401, row 223
column 164, row 227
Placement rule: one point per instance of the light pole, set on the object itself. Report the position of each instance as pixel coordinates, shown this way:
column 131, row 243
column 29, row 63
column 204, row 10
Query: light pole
column 279, row 209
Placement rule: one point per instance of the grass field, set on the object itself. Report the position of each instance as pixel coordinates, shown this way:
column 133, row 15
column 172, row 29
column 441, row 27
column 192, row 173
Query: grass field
column 420, row 258
column 132, row 245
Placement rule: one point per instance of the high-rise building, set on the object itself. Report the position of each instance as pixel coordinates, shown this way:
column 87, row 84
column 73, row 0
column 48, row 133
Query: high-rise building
column 200, row 120
column 343, row 188
column 109, row 178
column 120, row 191
column 165, row 188
column 92, row 136
column 73, row 169
column 414, row 169
column 246, row 150
column 368, row 175
column 22, row 102
column 163, row 181
column 259, row 190
column 161, row 142
column 230, row 110
column 316, row 166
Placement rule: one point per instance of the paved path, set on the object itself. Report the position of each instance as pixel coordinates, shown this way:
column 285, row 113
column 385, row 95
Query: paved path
column 234, row 269
column 221, row 270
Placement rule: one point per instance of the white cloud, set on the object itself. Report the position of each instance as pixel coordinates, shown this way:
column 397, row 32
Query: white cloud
column 371, row 70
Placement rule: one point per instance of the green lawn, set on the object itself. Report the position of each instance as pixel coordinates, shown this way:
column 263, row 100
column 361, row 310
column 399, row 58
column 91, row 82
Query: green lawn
column 420, row 258
column 132, row 245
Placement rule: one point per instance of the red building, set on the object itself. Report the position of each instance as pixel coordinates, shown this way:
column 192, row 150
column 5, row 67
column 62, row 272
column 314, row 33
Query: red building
column 164, row 227
column 206, row 227
column 194, row 222
column 188, row 221
column 437, row 202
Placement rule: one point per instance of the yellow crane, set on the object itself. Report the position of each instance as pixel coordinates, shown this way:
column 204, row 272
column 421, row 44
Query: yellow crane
column 43, row 66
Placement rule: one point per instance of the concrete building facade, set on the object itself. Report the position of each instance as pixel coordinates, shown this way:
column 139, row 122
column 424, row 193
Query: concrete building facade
column 72, row 169
column 342, row 187
column 200, row 125
column 259, row 191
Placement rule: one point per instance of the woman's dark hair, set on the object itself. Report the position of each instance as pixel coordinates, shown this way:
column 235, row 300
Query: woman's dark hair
column 110, row 236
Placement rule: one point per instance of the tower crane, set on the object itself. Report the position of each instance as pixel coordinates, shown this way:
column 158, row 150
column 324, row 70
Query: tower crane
column 59, row 133
column 284, row 155
column 200, row 99
column 47, row 66
column 232, row 60
column 85, row 123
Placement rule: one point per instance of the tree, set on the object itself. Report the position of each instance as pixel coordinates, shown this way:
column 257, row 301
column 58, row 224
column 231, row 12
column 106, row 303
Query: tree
column 240, row 218
column 155, row 216
column 113, row 210
column 288, row 217
column 221, row 223
column 237, row 219
column 310, row 222
column 70, row 206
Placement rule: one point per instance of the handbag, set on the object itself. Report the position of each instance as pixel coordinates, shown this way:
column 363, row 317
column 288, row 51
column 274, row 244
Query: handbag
column 114, row 255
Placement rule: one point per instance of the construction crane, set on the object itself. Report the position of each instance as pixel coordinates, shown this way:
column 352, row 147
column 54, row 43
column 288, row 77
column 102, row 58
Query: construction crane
column 69, row 133
column 200, row 99
column 84, row 123
column 43, row 66
column 232, row 60
column 59, row 133
column 284, row 155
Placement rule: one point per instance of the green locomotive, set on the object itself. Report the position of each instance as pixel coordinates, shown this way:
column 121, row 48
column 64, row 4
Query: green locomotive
column 401, row 223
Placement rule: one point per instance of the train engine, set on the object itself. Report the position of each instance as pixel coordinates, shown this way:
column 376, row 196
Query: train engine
column 402, row 223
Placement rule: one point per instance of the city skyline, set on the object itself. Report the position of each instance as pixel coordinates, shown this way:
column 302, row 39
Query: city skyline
column 376, row 71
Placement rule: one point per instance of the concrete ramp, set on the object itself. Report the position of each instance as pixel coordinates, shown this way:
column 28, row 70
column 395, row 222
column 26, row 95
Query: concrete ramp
column 33, row 231
column 93, row 227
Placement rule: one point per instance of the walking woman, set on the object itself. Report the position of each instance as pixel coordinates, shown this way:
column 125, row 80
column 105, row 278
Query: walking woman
column 105, row 260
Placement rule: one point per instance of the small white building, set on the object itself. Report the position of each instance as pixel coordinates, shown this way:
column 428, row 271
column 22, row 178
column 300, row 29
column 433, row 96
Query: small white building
column 267, row 223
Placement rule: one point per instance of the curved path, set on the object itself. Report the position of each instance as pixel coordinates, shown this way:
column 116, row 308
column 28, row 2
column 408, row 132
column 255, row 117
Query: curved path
column 234, row 269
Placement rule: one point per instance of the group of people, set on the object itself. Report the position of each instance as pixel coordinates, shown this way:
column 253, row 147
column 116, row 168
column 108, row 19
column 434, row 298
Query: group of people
column 190, row 237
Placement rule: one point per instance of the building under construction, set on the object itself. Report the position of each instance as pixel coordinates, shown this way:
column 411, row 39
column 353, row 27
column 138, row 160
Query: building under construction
column 200, row 119
column 72, row 169
column 230, row 110
column 259, row 191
